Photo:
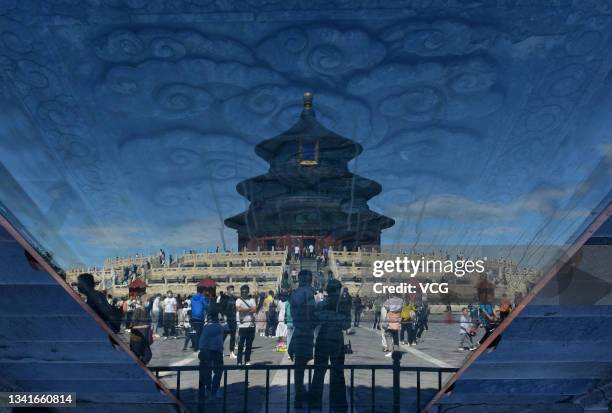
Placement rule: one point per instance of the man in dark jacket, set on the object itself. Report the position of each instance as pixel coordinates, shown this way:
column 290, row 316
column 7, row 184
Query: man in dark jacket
column 302, row 306
column 329, row 348
column 98, row 302
column 346, row 303
column 227, row 302
column 358, row 308
column 423, row 318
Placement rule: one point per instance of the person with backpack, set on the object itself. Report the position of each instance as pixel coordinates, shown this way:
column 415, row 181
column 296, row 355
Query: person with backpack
column 245, row 309
column 407, row 317
column 393, row 307
column 487, row 319
column 199, row 306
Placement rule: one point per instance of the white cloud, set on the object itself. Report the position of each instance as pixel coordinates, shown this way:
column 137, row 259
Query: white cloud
column 501, row 230
column 546, row 202
column 192, row 234
column 451, row 206
column 109, row 236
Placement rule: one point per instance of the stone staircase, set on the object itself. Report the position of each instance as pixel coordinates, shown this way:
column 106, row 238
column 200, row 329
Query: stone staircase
column 554, row 357
column 547, row 360
column 311, row 265
column 51, row 342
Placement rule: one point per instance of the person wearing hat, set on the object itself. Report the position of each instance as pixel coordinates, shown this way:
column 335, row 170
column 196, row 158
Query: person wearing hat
column 245, row 309
column 141, row 335
column 329, row 349
column 302, row 306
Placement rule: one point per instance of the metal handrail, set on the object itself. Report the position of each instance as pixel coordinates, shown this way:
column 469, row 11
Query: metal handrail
column 413, row 369
column 395, row 367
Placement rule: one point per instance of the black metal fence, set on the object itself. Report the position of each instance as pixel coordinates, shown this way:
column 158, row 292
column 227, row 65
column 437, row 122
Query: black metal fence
column 396, row 368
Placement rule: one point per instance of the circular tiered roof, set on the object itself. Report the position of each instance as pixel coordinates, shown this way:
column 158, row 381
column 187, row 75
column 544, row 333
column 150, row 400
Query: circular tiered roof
column 319, row 197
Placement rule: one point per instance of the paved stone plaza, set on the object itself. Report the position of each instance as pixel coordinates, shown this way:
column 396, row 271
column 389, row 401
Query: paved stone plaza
column 438, row 348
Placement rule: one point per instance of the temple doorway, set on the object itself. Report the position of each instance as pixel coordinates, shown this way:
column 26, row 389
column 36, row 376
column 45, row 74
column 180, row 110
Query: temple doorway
column 271, row 244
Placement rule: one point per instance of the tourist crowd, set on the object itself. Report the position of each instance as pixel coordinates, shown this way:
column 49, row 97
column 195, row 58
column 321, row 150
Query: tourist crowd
column 307, row 323
column 400, row 320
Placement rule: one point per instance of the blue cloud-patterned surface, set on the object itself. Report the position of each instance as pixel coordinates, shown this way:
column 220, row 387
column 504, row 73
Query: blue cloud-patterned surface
column 125, row 125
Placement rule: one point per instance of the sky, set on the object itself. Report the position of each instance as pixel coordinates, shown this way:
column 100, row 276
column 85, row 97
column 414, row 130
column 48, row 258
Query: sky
column 482, row 128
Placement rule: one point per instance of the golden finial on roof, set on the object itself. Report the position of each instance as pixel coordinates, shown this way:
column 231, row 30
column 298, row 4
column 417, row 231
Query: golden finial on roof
column 307, row 100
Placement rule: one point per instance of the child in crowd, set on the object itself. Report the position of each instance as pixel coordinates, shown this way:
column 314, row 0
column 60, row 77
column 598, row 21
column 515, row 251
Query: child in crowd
column 466, row 330
column 182, row 315
column 189, row 331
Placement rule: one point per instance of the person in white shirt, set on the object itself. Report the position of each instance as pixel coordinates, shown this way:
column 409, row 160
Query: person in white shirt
column 189, row 331
column 245, row 314
column 465, row 329
column 281, row 327
column 182, row 314
column 169, row 305
column 296, row 252
column 311, row 250
column 155, row 312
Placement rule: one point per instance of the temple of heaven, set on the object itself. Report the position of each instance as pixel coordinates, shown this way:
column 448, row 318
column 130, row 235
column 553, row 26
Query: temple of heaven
column 308, row 196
